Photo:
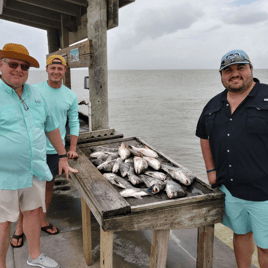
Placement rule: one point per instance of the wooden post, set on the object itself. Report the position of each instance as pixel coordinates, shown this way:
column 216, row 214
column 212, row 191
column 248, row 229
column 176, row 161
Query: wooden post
column 53, row 40
column 98, row 74
column 205, row 240
column 106, row 249
column 159, row 248
column 65, row 43
column 86, row 225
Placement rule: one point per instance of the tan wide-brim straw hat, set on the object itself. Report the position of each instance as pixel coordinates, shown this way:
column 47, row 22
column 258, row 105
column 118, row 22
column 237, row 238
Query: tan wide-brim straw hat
column 19, row 52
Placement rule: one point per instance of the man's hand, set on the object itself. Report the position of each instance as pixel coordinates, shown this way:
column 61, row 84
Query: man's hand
column 64, row 166
column 72, row 154
column 212, row 177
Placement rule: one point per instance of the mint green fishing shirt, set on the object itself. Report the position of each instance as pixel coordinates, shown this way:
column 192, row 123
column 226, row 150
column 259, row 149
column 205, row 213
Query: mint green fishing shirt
column 22, row 137
column 63, row 103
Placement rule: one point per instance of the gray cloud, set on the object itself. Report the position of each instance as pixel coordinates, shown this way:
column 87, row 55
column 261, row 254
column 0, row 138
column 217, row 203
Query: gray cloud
column 247, row 18
column 155, row 22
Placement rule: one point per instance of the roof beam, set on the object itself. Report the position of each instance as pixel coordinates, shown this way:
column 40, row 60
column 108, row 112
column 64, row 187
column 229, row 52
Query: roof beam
column 24, row 22
column 30, row 9
column 82, row 3
column 1, row 6
column 31, row 18
column 58, row 6
column 125, row 2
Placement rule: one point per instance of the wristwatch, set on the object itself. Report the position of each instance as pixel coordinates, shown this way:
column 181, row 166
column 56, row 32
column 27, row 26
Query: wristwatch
column 62, row 155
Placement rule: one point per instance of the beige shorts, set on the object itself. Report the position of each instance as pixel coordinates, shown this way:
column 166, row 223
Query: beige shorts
column 11, row 201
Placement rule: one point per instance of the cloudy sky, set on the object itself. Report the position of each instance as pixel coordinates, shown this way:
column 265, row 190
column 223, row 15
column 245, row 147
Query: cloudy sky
column 174, row 34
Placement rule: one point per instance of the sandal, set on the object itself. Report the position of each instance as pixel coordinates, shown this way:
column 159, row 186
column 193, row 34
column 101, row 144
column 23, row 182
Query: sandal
column 17, row 237
column 49, row 227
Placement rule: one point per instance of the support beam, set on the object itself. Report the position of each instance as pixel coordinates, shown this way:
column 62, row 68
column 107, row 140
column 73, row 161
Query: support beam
column 106, row 249
column 82, row 3
column 53, row 37
column 159, row 248
column 58, row 6
column 123, row 3
column 45, row 22
column 86, row 225
column 33, row 10
column 24, row 22
column 112, row 13
column 98, row 74
column 205, row 241
column 65, row 43
column 1, row 6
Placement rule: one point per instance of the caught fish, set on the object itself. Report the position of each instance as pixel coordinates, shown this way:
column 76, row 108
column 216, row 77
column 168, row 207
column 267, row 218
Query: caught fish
column 182, row 175
column 145, row 151
column 129, row 160
column 133, row 178
column 152, row 162
column 156, row 174
column 97, row 154
column 134, row 152
column 123, row 151
column 124, row 168
column 107, row 157
column 157, row 185
column 116, row 180
column 140, row 164
column 106, row 166
column 116, row 166
column 104, row 149
column 173, row 189
column 136, row 192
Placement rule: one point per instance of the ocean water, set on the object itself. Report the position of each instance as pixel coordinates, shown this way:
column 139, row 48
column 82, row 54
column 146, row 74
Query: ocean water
column 160, row 107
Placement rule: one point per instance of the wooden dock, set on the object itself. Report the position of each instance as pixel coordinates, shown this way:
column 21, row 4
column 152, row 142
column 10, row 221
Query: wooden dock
column 157, row 212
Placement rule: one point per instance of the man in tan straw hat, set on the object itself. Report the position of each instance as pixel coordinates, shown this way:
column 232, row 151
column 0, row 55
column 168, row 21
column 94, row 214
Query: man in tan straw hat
column 25, row 121
column 64, row 104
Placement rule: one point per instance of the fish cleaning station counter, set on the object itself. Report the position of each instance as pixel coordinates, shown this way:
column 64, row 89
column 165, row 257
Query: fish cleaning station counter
column 201, row 207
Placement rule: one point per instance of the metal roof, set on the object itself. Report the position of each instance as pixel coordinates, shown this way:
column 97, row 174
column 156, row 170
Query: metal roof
column 46, row 14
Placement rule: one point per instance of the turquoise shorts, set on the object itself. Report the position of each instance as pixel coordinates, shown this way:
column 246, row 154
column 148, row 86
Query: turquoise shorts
column 244, row 216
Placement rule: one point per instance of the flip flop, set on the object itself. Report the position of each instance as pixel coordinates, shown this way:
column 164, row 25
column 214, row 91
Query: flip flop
column 17, row 237
column 49, row 227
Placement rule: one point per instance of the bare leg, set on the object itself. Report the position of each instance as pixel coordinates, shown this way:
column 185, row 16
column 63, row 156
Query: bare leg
column 49, row 192
column 4, row 242
column 243, row 248
column 32, row 230
column 19, row 231
column 263, row 257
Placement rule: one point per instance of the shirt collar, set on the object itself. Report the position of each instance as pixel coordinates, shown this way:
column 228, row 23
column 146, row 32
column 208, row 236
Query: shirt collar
column 11, row 90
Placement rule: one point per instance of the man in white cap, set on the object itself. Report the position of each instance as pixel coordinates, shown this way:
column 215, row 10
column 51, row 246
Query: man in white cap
column 25, row 121
column 64, row 105
column 233, row 131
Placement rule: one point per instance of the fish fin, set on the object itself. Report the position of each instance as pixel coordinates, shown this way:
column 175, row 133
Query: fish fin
column 119, row 184
column 137, row 196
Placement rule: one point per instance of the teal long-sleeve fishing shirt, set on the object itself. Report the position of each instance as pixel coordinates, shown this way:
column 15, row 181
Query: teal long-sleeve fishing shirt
column 64, row 104
column 22, row 137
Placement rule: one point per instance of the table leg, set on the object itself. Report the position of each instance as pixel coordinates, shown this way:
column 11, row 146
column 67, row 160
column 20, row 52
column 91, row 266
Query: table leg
column 86, row 226
column 159, row 248
column 106, row 249
column 205, row 240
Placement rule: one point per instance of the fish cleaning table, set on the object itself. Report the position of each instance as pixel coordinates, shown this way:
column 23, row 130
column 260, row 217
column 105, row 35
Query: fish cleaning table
column 201, row 208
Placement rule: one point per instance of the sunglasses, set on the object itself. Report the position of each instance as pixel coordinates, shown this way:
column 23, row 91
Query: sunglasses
column 234, row 58
column 15, row 65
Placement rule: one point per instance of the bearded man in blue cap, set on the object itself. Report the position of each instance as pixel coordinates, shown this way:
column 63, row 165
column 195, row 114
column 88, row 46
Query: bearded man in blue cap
column 233, row 131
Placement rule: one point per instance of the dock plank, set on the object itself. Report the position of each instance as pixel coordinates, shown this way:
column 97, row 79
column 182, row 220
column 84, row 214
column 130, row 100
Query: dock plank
column 98, row 190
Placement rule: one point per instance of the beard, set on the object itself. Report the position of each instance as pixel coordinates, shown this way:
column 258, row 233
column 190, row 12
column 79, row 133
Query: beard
column 241, row 86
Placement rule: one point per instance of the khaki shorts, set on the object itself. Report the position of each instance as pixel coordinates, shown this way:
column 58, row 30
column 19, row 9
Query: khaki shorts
column 11, row 201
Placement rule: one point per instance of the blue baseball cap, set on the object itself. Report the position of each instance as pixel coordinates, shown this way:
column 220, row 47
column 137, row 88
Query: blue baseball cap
column 234, row 57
